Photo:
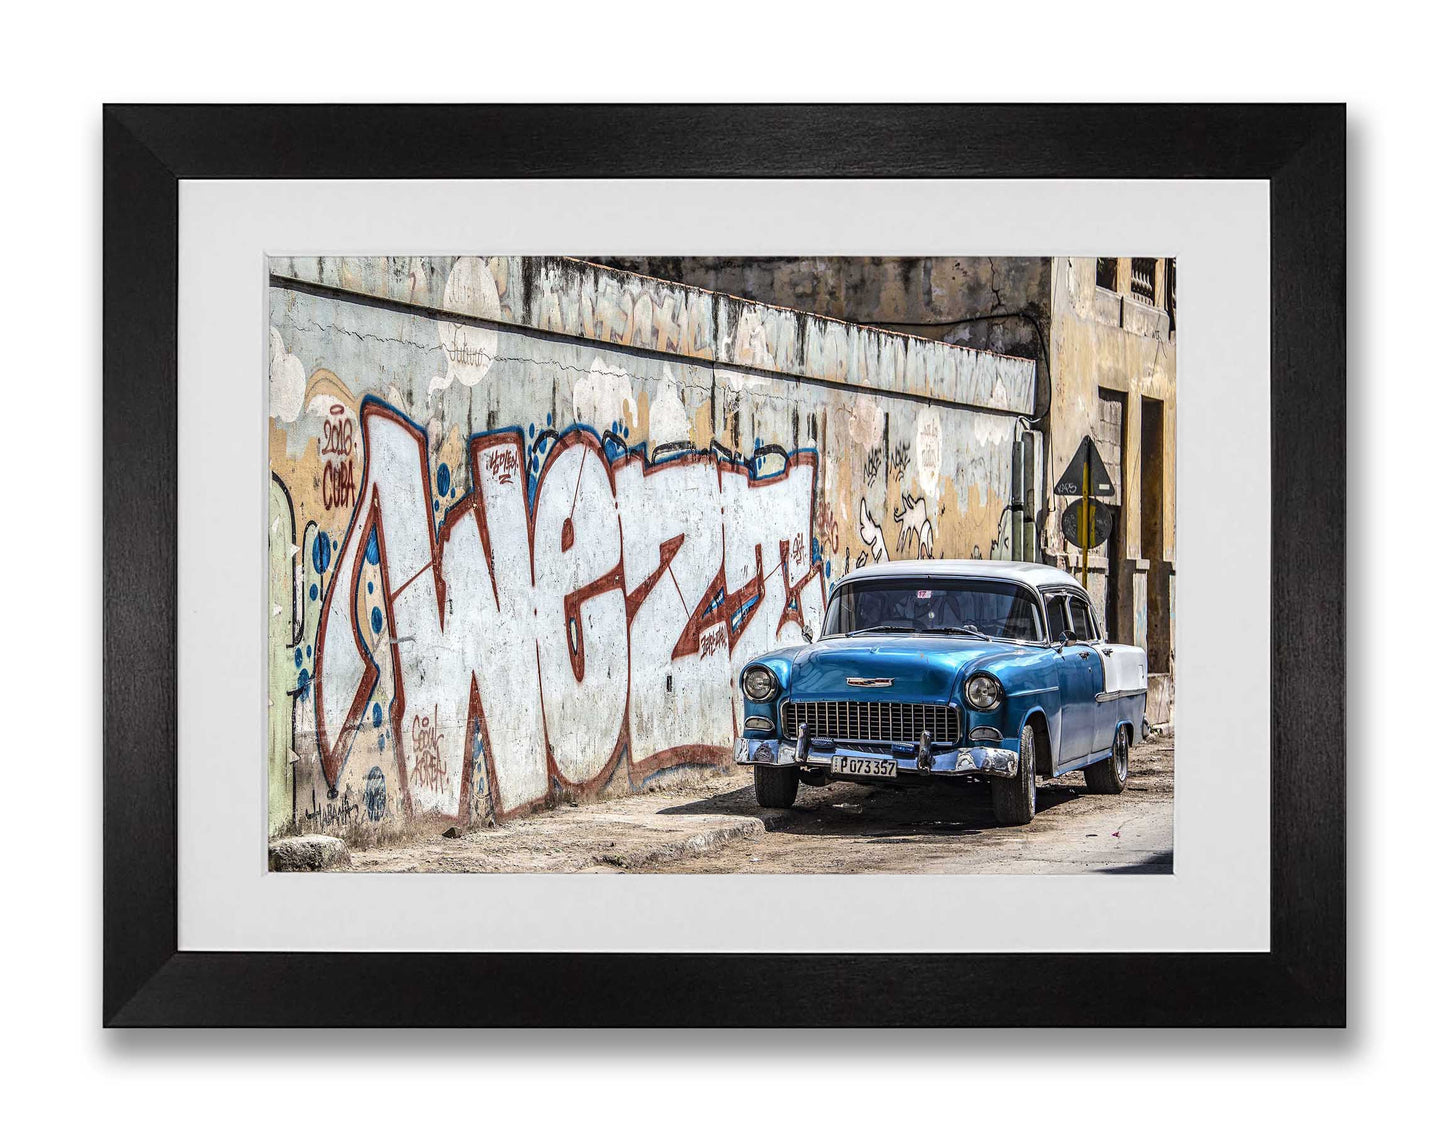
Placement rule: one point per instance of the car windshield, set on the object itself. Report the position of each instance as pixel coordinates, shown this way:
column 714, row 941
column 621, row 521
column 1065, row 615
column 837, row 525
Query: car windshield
column 980, row 607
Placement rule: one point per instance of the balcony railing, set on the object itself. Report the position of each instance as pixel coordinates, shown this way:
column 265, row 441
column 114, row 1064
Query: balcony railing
column 1142, row 278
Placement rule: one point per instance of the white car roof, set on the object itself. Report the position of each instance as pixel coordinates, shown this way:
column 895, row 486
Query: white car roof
column 1034, row 575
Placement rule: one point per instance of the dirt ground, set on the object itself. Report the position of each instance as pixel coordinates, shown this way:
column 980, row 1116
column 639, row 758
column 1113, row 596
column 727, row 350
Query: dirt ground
column 855, row 828
column 711, row 824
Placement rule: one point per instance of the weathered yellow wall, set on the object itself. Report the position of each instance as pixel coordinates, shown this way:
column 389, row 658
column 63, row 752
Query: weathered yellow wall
column 1104, row 339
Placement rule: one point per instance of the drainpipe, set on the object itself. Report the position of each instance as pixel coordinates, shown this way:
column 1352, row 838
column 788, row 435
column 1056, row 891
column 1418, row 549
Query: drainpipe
column 1017, row 504
column 1031, row 499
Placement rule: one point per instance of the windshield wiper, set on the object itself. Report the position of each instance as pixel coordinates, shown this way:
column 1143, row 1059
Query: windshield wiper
column 882, row 630
column 971, row 630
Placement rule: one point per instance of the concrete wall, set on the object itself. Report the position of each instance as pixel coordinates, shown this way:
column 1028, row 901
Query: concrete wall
column 529, row 518
column 1000, row 304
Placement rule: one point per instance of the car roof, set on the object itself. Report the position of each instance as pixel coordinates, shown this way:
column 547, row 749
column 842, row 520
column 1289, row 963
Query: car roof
column 1033, row 575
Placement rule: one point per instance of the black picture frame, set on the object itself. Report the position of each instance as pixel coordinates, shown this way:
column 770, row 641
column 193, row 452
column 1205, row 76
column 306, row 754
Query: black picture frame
column 1299, row 149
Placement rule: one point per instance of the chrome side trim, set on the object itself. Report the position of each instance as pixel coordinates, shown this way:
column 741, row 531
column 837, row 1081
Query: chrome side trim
column 1119, row 694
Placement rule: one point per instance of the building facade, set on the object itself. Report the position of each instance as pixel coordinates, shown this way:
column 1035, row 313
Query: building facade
column 1112, row 371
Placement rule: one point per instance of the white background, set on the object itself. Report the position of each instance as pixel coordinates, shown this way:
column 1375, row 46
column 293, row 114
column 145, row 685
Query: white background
column 63, row 63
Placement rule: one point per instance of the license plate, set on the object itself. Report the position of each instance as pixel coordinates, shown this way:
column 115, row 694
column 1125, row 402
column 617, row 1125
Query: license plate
column 872, row 768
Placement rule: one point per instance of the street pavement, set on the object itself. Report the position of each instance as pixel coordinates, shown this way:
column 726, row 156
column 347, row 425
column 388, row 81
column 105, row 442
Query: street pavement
column 711, row 824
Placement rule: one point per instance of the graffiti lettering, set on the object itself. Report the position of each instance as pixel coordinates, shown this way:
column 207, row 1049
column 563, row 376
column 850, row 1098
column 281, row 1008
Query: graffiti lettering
column 336, row 435
column 425, row 767
column 338, row 485
column 335, row 813
column 338, row 476
column 712, row 642
column 900, row 459
column 502, row 464
column 590, row 620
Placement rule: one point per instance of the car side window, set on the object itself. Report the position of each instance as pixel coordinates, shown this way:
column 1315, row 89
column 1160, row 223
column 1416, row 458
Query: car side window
column 1083, row 620
column 1058, row 622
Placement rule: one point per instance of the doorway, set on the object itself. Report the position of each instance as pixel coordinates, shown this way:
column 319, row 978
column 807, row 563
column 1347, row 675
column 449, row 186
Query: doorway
column 1151, row 528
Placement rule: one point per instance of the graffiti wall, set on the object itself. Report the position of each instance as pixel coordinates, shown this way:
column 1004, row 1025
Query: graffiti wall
column 530, row 517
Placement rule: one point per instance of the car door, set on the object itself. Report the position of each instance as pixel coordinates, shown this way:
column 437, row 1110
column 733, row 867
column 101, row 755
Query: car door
column 1086, row 626
column 1081, row 677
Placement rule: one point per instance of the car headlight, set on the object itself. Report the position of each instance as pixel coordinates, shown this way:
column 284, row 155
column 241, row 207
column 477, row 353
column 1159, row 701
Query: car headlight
column 759, row 683
column 983, row 692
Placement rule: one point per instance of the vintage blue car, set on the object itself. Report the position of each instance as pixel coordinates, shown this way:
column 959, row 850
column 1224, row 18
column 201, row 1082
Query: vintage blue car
column 942, row 670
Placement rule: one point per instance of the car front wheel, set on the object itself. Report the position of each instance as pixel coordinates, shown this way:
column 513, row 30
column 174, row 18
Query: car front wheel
column 776, row 787
column 1014, row 799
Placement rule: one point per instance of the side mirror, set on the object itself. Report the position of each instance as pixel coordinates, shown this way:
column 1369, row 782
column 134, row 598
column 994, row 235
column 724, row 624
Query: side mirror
column 1067, row 638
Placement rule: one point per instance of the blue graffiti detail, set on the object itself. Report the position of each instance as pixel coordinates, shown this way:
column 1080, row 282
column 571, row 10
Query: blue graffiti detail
column 303, row 684
column 613, row 447
column 375, row 794
column 741, row 615
column 314, row 592
column 373, row 549
column 298, row 657
column 444, row 478
column 376, row 716
column 321, row 552
column 376, row 620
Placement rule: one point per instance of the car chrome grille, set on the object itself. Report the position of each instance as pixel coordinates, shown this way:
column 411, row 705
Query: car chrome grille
column 871, row 721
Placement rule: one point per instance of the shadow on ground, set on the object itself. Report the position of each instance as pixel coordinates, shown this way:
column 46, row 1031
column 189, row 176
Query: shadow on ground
column 1162, row 862
column 877, row 813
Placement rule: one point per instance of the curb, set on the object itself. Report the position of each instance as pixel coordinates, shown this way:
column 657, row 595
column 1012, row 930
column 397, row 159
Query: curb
column 694, row 845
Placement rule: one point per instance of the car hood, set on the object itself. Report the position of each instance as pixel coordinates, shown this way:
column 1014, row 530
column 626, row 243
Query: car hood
column 922, row 668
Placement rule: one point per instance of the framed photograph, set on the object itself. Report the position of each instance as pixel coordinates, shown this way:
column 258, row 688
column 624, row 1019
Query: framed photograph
column 565, row 562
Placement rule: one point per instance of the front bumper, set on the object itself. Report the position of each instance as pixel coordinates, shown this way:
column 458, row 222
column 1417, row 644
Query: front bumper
column 995, row 762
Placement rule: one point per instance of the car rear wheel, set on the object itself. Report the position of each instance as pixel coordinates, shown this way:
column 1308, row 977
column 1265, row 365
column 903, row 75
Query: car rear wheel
column 1110, row 775
column 776, row 787
column 1014, row 800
